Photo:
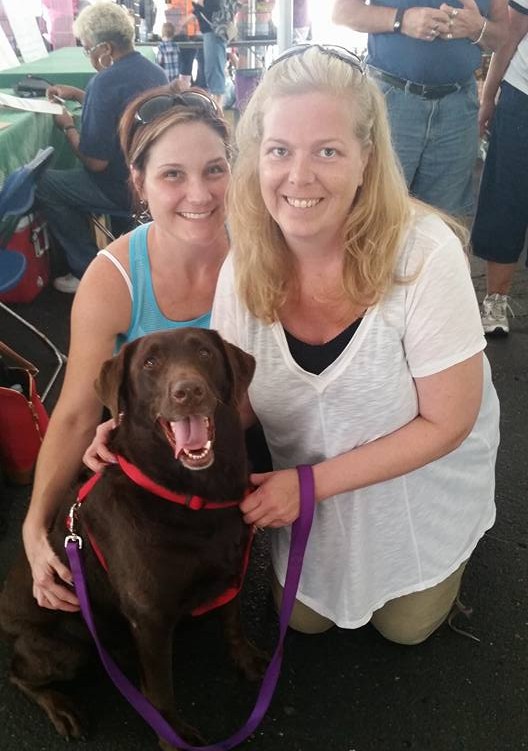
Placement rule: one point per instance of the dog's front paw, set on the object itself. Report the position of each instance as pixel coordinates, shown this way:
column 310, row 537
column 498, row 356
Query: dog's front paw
column 251, row 661
column 66, row 718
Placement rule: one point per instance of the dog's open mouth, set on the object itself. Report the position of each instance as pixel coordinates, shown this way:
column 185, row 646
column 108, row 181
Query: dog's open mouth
column 191, row 439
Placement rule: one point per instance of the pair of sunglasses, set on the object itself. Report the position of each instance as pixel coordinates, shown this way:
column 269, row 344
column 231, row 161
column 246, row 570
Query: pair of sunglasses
column 158, row 105
column 341, row 53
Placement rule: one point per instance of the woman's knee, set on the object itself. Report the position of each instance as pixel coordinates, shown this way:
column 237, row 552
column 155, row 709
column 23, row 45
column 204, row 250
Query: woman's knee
column 412, row 618
column 408, row 634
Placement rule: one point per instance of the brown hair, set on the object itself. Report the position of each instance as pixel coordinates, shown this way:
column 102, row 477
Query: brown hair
column 168, row 30
column 137, row 140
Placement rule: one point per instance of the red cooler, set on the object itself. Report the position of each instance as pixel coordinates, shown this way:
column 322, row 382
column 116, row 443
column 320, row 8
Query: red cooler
column 30, row 238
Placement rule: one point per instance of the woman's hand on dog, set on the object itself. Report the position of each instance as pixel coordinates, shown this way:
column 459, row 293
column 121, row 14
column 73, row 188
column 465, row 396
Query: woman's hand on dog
column 97, row 455
column 47, row 570
column 275, row 502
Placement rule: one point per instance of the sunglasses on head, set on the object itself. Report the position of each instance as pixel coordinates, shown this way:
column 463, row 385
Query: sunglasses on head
column 158, row 105
column 341, row 53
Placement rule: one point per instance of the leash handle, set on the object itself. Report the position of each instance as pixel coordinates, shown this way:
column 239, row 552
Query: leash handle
column 299, row 538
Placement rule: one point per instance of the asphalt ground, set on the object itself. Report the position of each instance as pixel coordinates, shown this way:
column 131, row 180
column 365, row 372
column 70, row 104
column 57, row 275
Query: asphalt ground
column 343, row 690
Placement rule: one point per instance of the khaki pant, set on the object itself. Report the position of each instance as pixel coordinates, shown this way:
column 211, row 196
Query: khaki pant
column 405, row 620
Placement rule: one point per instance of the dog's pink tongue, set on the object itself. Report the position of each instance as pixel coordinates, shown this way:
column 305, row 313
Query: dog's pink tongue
column 189, row 433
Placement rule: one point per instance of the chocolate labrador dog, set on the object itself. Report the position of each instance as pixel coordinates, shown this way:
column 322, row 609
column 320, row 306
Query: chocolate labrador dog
column 150, row 559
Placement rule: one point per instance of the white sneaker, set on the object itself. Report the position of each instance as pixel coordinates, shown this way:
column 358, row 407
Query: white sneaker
column 494, row 314
column 67, row 284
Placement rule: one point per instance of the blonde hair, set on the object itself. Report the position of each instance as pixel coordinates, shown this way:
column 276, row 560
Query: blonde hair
column 381, row 210
column 105, row 21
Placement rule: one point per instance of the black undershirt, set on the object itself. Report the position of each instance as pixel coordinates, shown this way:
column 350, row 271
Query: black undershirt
column 314, row 358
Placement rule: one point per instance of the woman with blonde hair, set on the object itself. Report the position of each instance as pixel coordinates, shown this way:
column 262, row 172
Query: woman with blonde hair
column 357, row 303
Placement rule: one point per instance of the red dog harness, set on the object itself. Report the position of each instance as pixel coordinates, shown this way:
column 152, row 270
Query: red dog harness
column 192, row 502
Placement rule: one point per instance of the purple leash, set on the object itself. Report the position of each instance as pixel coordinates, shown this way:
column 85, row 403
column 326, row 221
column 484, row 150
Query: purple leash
column 299, row 537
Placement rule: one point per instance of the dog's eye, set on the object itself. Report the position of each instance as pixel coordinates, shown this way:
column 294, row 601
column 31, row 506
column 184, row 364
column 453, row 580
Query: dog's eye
column 204, row 354
column 150, row 363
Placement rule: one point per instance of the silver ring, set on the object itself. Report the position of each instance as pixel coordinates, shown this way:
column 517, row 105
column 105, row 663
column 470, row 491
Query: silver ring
column 454, row 13
column 449, row 36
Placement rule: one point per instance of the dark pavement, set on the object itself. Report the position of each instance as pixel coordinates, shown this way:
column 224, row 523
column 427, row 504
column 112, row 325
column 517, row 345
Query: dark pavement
column 344, row 690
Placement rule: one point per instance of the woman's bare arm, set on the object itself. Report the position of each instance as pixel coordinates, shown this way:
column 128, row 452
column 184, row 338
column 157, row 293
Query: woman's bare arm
column 95, row 323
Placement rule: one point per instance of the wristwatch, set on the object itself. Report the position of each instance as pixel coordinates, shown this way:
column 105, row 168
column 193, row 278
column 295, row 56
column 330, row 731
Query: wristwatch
column 398, row 20
column 68, row 127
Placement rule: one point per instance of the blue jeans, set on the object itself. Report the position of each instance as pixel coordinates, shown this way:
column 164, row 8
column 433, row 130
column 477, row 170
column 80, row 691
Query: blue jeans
column 214, row 50
column 501, row 220
column 436, row 141
column 67, row 197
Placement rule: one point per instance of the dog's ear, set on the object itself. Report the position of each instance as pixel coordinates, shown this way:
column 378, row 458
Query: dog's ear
column 108, row 384
column 243, row 368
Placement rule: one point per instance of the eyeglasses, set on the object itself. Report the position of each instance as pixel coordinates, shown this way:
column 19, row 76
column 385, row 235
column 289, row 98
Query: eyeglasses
column 341, row 53
column 158, row 105
column 89, row 51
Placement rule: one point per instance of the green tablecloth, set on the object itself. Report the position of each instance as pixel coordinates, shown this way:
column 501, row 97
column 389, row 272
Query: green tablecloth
column 25, row 134
column 68, row 65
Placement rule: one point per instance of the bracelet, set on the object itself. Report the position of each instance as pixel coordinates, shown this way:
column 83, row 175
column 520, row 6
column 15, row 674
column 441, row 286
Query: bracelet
column 483, row 29
column 398, row 20
column 68, row 127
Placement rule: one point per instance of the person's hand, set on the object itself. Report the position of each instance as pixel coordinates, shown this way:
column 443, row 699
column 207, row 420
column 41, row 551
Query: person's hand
column 64, row 92
column 64, row 119
column 464, row 22
column 425, row 23
column 275, row 502
column 485, row 115
column 47, row 570
column 98, row 455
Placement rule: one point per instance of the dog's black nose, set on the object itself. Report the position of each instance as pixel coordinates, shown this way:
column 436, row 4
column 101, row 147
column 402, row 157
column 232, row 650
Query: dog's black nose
column 188, row 392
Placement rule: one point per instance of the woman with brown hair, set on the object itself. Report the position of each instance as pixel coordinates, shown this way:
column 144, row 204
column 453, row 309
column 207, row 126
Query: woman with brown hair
column 161, row 275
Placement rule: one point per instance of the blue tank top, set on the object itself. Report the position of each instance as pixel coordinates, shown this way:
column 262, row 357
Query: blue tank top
column 146, row 316
column 433, row 63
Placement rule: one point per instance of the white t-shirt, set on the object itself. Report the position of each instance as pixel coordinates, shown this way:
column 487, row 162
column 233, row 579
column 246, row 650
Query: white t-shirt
column 403, row 535
column 517, row 73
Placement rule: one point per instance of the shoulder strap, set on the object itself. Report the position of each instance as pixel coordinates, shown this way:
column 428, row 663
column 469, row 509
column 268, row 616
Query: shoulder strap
column 119, row 266
column 18, row 359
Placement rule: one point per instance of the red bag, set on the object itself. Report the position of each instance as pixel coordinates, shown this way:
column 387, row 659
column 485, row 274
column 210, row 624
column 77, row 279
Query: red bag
column 23, row 418
column 31, row 239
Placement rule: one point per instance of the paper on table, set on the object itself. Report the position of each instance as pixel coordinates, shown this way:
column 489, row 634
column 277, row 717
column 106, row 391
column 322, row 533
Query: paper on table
column 30, row 105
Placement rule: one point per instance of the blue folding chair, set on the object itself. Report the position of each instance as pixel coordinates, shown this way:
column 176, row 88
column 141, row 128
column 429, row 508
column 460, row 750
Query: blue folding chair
column 16, row 199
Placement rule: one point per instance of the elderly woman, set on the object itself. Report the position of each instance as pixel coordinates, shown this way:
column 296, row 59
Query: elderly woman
column 357, row 303
column 67, row 197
